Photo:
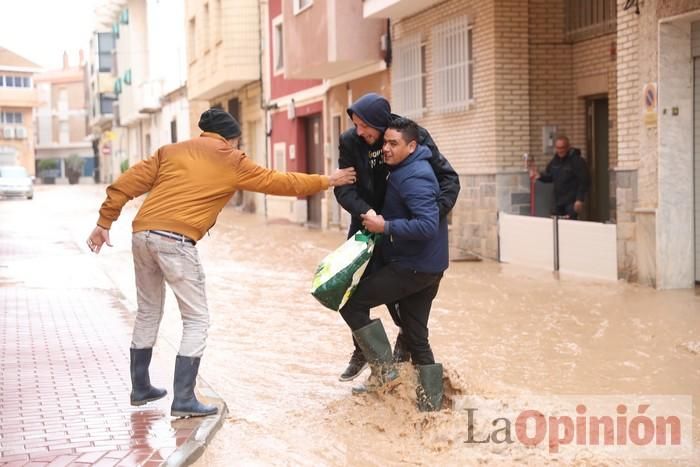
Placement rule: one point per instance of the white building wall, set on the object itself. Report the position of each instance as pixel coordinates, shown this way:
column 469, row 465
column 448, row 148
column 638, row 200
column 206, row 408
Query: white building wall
column 44, row 113
column 132, row 54
column 179, row 110
column 165, row 26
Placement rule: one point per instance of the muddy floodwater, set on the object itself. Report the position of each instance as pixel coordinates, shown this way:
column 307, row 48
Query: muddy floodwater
column 274, row 354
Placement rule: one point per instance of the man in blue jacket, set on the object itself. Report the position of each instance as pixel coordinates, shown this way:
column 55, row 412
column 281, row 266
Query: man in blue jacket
column 414, row 250
column 361, row 148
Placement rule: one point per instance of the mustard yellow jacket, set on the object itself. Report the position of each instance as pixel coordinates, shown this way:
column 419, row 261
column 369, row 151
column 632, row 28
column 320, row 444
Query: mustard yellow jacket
column 188, row 184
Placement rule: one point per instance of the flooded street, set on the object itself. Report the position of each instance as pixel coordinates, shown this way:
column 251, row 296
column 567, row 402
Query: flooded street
column 274, row 353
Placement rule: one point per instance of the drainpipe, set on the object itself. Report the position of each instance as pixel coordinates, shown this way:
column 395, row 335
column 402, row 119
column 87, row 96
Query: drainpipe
column 263, row 105
column 387, row 56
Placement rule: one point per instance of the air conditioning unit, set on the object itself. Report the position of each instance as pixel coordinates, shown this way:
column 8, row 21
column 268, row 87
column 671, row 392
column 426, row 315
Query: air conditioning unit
column 8, row 132
column 21, row 132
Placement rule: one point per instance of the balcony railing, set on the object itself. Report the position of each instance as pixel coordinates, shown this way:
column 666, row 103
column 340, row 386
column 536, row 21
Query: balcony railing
column 590, row 18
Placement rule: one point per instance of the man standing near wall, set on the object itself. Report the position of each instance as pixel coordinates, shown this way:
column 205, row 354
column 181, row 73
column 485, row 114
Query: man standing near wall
column 569, row 173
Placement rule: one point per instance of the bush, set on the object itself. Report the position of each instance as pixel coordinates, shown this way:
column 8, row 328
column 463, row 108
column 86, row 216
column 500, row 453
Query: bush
column 48, row 164
column 75, row 163
column 48, row 170
column 124, row 166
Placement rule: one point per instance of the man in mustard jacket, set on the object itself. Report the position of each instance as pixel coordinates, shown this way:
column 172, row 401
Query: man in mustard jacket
column 188, row 184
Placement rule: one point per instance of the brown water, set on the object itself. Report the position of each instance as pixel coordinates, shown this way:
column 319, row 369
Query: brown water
column 274, row 354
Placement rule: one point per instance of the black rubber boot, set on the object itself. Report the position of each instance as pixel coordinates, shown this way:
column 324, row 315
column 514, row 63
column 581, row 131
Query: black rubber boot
column 401, row 352
column 429, row 392
column 375, row 345
column 185, row 404
column 356, row 365
column 141, row 389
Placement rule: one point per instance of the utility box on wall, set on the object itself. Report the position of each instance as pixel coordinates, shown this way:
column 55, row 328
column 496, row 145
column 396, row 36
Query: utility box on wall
column 549, row 133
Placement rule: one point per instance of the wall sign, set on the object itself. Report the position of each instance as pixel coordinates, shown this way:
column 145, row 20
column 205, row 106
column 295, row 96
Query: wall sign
column 650, row 96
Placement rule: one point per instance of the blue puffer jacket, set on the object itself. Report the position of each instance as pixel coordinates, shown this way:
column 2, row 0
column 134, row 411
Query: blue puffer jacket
column 415, row 236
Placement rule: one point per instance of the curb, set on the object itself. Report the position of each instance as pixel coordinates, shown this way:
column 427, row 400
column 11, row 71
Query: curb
column 189, row 452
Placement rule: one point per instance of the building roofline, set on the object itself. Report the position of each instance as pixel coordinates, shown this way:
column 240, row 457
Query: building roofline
column 21, row 69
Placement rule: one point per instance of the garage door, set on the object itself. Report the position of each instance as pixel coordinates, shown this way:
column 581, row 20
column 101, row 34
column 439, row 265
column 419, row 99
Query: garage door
column 8, row 156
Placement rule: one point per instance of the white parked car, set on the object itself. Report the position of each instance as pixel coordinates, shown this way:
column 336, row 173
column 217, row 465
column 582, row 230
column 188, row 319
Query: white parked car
column 15, row 181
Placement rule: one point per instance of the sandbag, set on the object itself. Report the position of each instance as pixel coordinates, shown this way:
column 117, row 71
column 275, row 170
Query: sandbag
column 337, row 275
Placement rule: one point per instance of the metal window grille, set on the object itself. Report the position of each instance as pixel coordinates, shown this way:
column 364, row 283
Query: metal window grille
column 590, row 18
column 451, row 66
column 407, row 77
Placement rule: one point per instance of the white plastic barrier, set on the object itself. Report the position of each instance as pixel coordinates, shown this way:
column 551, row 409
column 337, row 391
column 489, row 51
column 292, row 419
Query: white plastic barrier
column 588, row 249
column 573, row 247
column 526, row 240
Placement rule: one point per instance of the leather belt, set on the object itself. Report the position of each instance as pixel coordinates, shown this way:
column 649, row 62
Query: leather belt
column 173, row 235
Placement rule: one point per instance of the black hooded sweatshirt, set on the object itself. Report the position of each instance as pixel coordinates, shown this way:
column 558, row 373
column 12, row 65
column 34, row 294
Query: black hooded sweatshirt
column 369, row 190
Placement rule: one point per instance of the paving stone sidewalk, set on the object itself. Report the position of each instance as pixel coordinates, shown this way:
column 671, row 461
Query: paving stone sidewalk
column 64, row 361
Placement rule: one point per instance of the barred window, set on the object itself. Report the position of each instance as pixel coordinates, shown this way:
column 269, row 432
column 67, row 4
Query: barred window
column 408, row 77
column 452, row 66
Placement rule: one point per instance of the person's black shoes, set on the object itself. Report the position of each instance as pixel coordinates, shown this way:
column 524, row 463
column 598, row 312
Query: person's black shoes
column 141, row 390
column 185, row 404
column 357, row 364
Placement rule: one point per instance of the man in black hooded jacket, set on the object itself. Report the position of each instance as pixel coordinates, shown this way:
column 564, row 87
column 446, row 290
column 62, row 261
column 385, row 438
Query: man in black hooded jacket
column 361, row 148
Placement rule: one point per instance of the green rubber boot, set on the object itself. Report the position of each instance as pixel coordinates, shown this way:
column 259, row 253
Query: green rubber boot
column 429, row 392
column 375, row 345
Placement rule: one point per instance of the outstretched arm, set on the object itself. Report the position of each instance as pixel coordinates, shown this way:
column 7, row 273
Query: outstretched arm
column 253, row 177
column 546, row 176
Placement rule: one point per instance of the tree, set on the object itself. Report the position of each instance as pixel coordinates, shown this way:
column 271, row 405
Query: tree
column 74, row 168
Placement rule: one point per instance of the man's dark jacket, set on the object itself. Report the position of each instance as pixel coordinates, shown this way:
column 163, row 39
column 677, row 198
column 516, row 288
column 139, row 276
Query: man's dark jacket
column 570, row 177
column 415, row 236
column 369, row 190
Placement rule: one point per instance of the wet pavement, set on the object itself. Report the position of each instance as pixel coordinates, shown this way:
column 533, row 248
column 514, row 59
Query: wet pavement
column 64, row 353
column 274, row 354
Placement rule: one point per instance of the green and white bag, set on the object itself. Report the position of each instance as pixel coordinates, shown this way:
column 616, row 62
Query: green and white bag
column 337, row 275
